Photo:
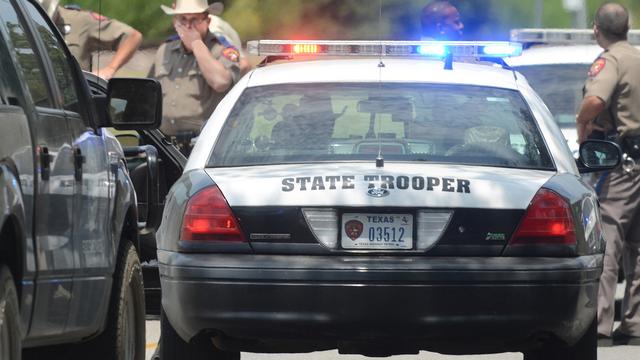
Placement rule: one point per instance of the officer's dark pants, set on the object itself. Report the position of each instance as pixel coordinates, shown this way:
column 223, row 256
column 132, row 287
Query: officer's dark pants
column 620, row 208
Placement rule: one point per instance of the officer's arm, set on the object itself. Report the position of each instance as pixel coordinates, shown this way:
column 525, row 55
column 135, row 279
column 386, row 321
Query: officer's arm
column 213, row 71
column 590, row 108
column 126, row 49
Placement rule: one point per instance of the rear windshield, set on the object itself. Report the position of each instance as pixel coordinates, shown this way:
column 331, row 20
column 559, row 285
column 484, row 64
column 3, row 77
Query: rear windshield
column 560, row 86
column 303, row 123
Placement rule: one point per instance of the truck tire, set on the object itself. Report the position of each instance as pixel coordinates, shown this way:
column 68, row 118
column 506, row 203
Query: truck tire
column 585, row 349
column 172, row 347
column 10, row 341
column 124, row 336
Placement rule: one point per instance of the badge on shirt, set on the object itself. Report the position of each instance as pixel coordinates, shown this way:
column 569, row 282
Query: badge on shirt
column 596, row 67
column 98, row 17
column 231, row 53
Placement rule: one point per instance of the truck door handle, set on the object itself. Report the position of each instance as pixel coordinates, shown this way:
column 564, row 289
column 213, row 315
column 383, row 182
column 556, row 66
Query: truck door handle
column 78, row 160
column 45, row 163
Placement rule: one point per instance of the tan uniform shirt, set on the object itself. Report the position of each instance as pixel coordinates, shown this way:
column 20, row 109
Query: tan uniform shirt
column 86, row 32
column 615, row 78
column 188, row 100
column 218, row 25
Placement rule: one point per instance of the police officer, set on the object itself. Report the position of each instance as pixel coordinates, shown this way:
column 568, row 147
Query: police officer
column 613, row 89
column 195, row 70
column 86, row 32
column 440, row 20
column 225, row 33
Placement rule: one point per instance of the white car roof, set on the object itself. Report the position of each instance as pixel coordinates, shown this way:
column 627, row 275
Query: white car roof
column 556, row 54
column 395, row 70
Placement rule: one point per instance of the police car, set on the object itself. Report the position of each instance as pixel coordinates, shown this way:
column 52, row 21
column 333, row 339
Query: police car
column 556, row 63
column 399, row 198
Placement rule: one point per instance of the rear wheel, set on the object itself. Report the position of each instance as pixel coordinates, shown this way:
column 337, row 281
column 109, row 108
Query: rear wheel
column 199, row 348
column 124, row 336
column 10, row 342
column 585, row 349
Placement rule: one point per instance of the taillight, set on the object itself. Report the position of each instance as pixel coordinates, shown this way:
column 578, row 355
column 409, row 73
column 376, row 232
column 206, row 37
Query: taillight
column 208, row 217
column 548, row 221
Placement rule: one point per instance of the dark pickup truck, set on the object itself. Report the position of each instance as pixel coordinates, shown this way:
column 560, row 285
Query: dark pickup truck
column 70, row 273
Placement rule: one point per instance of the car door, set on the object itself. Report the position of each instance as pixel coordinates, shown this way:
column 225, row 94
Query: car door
column 54, row 182
column 92, row 181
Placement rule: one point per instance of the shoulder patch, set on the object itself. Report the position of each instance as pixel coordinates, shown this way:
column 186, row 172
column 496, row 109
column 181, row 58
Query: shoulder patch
column 98, row 17
column 597, row 66
column 231, row 53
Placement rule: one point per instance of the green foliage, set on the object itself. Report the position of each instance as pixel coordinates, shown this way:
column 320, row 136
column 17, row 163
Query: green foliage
column 347, row 19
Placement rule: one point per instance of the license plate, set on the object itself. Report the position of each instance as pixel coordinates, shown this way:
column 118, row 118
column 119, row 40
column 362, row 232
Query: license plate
column 377, row 231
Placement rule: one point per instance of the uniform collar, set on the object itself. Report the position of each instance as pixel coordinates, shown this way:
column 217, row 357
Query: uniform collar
column 177, row 44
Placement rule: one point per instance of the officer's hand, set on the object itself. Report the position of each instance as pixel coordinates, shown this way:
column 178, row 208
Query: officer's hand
column 187, row 35
column 106, row 72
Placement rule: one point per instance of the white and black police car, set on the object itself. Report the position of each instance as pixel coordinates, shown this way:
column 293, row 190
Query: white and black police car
column 393, row 200
column 556, row 63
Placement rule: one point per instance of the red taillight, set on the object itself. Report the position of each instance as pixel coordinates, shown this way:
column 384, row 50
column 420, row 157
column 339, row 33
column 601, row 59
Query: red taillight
column 548, row 220
column 208, row 217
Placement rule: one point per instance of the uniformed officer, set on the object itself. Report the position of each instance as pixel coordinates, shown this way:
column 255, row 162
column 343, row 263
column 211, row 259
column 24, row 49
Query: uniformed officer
column 195, row 70
column 86, row 32
column 224, row 32
column 440, row 20
column 613, row 89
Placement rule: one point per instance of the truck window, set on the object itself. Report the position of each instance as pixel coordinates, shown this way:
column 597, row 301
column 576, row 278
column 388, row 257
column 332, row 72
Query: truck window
column 61, row 68
column 26, row 55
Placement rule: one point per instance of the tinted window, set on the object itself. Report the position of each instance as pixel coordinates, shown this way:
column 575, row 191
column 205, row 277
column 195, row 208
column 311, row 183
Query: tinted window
column 27, row 57
column 59, row 61
column 560, row 86
column 427, row 123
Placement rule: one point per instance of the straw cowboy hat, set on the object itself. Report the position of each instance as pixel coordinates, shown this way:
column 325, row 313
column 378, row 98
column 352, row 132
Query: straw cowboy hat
column 186, row 7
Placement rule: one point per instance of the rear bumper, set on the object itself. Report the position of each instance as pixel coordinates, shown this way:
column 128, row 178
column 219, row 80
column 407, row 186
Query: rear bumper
column 452, row 305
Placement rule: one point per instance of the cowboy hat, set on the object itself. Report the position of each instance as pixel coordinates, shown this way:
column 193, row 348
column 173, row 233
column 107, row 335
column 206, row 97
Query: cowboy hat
column 186, row 7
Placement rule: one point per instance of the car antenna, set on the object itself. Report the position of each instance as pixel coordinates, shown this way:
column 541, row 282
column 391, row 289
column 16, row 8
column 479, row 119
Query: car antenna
column 380, row 159
column 99, row 37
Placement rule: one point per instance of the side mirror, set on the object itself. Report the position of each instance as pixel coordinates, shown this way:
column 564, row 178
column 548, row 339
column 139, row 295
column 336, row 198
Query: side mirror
column 598, row 155
column 134, row 104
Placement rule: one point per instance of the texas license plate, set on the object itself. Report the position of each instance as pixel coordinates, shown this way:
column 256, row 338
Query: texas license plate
column 377, row 231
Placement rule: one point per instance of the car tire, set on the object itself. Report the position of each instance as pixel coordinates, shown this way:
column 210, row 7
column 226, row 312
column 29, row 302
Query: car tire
column 10, row 339
column 124, row 336
column 585, row 349
column 201, row 347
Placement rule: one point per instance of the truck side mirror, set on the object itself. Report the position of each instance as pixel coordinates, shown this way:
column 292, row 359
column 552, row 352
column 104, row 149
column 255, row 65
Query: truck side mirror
column 134, row 104
column 598, row 155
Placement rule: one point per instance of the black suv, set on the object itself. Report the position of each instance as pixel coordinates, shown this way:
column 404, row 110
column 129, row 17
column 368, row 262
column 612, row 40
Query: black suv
column 70, row 271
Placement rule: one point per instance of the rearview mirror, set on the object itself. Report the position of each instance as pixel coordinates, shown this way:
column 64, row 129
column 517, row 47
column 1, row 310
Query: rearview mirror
column 598, row 155
column 134, row 104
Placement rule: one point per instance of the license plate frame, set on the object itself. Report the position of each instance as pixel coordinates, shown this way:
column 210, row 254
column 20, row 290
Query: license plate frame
column 391, row 231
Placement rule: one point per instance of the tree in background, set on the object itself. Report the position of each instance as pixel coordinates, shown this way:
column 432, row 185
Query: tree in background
column 347, row 19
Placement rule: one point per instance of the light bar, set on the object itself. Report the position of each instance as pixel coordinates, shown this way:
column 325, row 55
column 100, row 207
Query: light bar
column 563, row 36
column 430, row 49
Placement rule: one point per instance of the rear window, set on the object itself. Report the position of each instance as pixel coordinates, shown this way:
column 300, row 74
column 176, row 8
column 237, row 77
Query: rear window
column 302, row 123
column 560, row 86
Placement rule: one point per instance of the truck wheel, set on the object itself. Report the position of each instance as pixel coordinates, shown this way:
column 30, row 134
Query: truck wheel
column 172, row 347
column 10, row 341
column 585, row 349
column 124, row 336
